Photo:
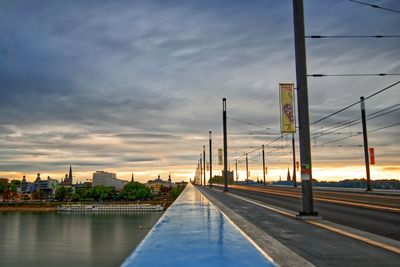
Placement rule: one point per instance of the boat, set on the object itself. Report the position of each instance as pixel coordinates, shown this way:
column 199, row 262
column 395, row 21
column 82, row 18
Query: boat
column 109, row 207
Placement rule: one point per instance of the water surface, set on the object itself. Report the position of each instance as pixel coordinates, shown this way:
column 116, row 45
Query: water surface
column 64, row 239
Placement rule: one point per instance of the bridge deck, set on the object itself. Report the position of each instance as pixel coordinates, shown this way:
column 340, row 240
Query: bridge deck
column 193, row 232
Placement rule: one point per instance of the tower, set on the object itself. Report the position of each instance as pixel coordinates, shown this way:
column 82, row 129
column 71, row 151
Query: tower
column 133, row 178
column 70, row 175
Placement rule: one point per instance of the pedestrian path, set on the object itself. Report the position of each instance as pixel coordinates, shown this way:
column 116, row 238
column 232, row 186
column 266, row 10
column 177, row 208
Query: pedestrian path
column 194, row 232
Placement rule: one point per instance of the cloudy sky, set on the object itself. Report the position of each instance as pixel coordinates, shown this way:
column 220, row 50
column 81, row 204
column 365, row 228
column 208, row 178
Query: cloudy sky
column 135, row 86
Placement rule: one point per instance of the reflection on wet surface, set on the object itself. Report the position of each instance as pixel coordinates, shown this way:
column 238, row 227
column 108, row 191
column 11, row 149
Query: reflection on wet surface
column 65, row 239
column 193, row 232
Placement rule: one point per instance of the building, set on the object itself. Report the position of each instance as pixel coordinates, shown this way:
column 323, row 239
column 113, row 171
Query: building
column 220, row 178
column 108, row 179
column 156, row 184
column 26, row 187
column 68, row 178
column 181, row 184
column 48, row 186
column 84, row 185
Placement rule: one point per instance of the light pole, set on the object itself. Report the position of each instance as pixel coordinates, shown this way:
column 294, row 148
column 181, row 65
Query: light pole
column 263, row 163
column 204, row 165
column 247, row 170
column 225, row 144
column 303, row 113
column 210, row 148
column 365, row 139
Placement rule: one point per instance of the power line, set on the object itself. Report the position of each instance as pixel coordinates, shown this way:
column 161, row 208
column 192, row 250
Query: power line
column 249, row 123
column 340, row 139
column 384, row 127
column 382, row 90
column 339, row 146
column 351, row 105
column 379, row 115
column 319, row 75
column 374, row 6
column 359, row 133
column 350, row 36
column 379, row 111
column 351, row 122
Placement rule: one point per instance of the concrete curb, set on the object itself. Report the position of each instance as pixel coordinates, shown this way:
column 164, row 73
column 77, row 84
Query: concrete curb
column 281, row 254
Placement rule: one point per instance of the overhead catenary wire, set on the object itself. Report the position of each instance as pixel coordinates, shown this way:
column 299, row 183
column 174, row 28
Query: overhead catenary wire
column 350, row 36
column 374, row 6
column 384, row 127
column 320, row 75
column 351, row 122
column 317, row 135
column 250, row 123
column 358, row 134
column 351, row 105
column 259, row 148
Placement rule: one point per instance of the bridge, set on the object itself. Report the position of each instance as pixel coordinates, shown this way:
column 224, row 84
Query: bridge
column 259, row 226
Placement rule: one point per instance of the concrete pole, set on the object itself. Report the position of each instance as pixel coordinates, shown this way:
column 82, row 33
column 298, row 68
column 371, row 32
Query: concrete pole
column 236, row 163
column 201, row 170
column 225, row 144
column 294, row 162
column 303, row 113
column 263, row 163
column 210, row 148
column 204, row 165
column 247, row 169
column 365, row 139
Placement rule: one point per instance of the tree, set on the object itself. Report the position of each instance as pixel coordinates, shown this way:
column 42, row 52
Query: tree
column 75, row 197
column 135, row 191
column 39, row 194
column 164, row 189
column 16, row 182
column 9, row 195
column 175, row 192
column 3, row 185
column 63, row 193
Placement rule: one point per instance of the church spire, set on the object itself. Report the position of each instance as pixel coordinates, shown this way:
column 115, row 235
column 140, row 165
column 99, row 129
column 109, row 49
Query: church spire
column 133, row 178
column 70, row 173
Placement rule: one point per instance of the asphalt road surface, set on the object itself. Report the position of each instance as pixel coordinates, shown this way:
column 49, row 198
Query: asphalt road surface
column 379, row 222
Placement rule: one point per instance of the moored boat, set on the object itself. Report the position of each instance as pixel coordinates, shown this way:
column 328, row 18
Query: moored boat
column 109, row 207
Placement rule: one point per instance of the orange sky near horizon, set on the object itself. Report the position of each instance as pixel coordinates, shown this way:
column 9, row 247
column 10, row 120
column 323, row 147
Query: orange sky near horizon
column 334, row 173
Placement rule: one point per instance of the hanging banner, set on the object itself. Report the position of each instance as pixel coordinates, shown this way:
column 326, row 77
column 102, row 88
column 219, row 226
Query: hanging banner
column 219, row 156
column 286, row 100
column 371, row 156
column 266, row 170
column 297, row 165
column 208, row 166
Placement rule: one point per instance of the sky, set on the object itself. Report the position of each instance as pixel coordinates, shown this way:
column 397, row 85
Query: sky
column 135, row 86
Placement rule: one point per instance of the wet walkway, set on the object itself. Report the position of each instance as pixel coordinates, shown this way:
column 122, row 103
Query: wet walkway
column 193, row 232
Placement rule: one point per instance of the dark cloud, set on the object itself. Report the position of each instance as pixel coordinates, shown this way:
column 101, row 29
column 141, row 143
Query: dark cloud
column 107, row 84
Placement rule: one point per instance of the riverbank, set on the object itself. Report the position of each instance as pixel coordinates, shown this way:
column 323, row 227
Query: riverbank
column 52, row 206
column 27, row 209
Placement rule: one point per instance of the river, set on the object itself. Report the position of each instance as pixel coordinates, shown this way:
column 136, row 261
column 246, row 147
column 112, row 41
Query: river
column 60, row 239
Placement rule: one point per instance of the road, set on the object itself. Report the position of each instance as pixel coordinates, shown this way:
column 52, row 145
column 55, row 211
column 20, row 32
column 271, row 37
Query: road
column 372, row 213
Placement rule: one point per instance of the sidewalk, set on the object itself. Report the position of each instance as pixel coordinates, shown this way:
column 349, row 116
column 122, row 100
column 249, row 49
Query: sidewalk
column 193, row 232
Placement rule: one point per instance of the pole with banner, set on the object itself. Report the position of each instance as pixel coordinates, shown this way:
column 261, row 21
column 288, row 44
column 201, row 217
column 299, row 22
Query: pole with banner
column 286, row 100
column 219, row 156
column 372, row 156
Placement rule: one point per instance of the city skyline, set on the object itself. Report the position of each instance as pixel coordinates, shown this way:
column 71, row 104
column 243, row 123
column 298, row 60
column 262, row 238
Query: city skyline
column 136, row 86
